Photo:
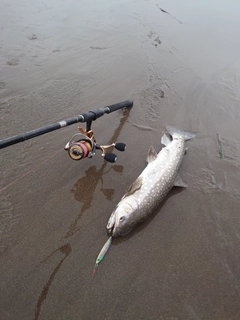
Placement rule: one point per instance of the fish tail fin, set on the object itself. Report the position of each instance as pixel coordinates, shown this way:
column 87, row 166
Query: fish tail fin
column 174, row 132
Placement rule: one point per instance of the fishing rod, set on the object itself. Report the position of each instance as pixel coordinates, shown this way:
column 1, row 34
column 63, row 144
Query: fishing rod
column 82, row 144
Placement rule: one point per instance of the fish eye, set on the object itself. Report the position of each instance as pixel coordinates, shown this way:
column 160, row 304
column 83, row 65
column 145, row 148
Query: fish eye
column 121, row 218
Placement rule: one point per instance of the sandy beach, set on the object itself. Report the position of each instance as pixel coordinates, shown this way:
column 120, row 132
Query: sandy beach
column 179, row 62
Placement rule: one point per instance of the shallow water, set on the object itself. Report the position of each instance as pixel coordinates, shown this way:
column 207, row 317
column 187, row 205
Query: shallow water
column 180, row 64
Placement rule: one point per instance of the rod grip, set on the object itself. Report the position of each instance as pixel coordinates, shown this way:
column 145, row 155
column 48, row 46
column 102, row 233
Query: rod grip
column 120, row 105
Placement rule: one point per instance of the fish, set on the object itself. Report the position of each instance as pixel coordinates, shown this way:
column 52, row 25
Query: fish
column 151, row 187
column 102, row 253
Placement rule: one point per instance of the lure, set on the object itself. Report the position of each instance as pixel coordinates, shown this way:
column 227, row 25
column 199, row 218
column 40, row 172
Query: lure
column 102, row 253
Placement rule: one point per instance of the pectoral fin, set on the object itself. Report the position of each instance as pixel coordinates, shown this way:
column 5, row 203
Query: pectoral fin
column 134, row 187
column 179, row 183
column 152, row 154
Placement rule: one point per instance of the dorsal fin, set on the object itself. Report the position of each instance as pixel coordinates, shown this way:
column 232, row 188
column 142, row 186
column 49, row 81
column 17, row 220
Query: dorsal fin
column 134, row 187
column 165, row 140
column 152, row 154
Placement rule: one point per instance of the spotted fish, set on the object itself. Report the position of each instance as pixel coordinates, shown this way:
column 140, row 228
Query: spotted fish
column 153, row 184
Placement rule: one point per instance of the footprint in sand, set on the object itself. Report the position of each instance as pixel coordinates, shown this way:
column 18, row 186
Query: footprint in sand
column 155, row 38
column 2, row 85
column 32, row 37
column 12, row 62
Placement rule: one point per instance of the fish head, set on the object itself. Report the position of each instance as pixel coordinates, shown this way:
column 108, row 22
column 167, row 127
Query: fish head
column 123, row 219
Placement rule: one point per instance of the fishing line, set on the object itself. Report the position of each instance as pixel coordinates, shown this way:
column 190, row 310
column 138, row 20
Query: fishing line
column 30, row 171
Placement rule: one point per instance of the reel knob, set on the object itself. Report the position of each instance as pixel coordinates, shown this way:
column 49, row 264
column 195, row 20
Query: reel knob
column 120, row 146
column 110, row 157
column 76, row 152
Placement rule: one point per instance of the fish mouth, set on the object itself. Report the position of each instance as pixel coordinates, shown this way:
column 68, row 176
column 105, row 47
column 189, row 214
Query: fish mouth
column 110, row 229
column 113, row 230
column 111, row 223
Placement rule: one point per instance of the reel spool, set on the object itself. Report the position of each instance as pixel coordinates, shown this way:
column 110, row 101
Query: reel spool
column 80, row 149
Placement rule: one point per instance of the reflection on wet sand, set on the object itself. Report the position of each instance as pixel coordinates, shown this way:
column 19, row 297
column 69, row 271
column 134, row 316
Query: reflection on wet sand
column 84, row 191
column 85, row 187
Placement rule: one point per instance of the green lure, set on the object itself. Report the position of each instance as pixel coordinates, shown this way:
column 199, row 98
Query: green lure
column 102, row 253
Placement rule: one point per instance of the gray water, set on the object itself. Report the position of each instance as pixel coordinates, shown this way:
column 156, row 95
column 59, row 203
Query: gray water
column 179, row 61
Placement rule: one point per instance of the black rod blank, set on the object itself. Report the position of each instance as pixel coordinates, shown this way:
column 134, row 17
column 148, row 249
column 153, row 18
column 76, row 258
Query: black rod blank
column 84, row 117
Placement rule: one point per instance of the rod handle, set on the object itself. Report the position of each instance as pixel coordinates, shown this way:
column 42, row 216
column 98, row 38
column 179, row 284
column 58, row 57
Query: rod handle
column 97, row 113
column 120, row 105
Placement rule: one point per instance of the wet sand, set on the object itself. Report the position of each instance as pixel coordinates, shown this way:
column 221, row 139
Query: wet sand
column 180, row 64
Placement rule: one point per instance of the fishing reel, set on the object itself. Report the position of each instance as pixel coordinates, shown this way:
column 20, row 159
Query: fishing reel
column 83, row 145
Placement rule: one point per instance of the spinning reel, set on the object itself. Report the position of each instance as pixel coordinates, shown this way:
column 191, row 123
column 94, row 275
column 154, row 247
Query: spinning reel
column 83, row 145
